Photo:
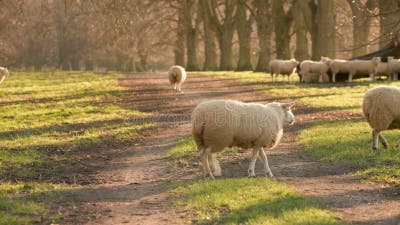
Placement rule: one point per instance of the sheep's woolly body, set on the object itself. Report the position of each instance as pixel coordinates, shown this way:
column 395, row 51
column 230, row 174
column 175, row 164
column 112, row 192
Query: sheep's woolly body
column 283, row 67
column 310, row 68
column 314, row 78
column 3, row 74
column 364, row 66
column 219, row 124
column 176, row 75
column 381, row 107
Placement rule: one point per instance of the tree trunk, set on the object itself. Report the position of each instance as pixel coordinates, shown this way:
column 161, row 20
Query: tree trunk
column 191, row 36
column 282, row 22
column 224, row 31
column 179, row 49
column 262, row 10
column 389, row 18
column 361, row 25
column 300, row 26
column 243, row 26
column 210, row 53
column 326, row 29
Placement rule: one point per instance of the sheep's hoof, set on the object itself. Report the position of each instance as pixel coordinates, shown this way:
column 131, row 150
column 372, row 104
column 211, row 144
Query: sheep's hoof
column 398, row 145
column 252, row 176
column 375, row 149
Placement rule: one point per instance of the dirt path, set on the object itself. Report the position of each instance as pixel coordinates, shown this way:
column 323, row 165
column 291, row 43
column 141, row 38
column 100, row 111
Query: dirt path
column 134, row 189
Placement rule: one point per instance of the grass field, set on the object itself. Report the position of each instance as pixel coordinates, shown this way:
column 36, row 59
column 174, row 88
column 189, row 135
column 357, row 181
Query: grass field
column 243, row 200
column 48, row 120
column 353, row 143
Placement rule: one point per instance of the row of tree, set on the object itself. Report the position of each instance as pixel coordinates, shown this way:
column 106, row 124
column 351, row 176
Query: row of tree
column 139, row 35
column 311, row 23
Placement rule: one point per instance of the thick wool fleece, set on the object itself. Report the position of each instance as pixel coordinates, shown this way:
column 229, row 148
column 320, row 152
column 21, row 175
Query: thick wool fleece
column 218, row 124
column 176, row 75
column 381, row 107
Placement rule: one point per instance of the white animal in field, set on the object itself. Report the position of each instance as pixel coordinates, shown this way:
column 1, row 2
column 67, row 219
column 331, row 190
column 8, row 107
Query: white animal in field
column 218, row 124
column 177, row 75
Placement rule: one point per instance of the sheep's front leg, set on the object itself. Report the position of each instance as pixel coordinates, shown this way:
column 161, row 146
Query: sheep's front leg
column 350, row 77
column 216, row 168
column 320, row 78
column 333, row 77
column 175, row 87
column 204, row 160
column 254, row 154
column 273, row 77
column 375, row 136
column 372, row 77
column 265, row 160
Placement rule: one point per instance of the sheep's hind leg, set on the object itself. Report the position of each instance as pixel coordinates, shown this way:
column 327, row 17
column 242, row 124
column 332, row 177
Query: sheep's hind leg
column 375, row 137
column 204, row 160
column 175, row 87
column 215, row 167
column 265, row 160
column 254, row 154
column 383, row 140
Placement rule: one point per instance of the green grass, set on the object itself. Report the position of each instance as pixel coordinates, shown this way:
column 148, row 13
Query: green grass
column 353, row 144
column 321, row 138
column 49, row 120
column 242, row 200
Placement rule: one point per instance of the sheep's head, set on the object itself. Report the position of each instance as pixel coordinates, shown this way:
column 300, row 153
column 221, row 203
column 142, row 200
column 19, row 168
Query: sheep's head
column 294, row 61
column 289, row 117
column 376, row 60
column 324, row 59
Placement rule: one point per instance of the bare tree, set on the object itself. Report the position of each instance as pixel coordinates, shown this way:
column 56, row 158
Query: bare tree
column 244, row 21
column 262, row 11
column 282, row 23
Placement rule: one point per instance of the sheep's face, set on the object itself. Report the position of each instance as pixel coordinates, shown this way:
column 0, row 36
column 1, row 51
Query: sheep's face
column 289, row 117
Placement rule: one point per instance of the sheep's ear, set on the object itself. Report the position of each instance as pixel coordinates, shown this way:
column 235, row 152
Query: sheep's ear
column 287, row 106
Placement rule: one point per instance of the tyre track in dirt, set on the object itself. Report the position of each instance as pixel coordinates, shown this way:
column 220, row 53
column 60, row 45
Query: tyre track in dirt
column 136, row 190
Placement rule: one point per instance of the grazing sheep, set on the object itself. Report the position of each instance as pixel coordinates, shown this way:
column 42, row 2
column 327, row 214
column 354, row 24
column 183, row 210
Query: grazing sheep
column 218, row 124
column 309, row 68
column 3, row 73
column 363, row 66
column 177, row 75
column 283, row 67
column 381, row 108
column 393, row 68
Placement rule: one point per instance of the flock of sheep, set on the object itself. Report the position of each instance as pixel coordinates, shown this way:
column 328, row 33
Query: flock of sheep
column 317, row 71
column 217, row 124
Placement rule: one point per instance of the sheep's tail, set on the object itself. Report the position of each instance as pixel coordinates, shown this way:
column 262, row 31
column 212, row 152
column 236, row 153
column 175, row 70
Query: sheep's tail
column 198, row 132
column 172, row 77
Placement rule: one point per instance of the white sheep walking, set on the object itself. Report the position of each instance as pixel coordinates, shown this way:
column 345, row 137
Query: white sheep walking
column 177, row 75
column 283, row 67
column 3, row 74
column 218, row 124
column 381, row 108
